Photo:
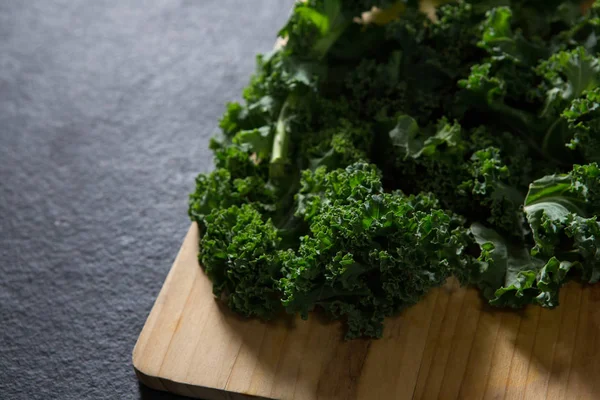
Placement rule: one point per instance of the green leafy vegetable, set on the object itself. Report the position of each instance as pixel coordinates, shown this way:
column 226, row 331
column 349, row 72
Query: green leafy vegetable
column 239, row 253
column 369, row 253
column 383, row 149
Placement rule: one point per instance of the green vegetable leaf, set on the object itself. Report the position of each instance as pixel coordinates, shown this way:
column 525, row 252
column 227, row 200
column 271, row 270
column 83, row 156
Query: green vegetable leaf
column 405, row 136
column 364, row 242
column 569, row 74
column 584, row 121
column 510, row 277
column 499, row 40
column 256, row 141
column 239, row 253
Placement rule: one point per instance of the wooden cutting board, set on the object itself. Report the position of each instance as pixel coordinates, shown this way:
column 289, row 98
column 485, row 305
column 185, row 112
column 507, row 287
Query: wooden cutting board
column 449, row 346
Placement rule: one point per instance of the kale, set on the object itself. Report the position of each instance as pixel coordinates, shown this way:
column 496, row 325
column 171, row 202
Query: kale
column 388, row 145
column 369, row 253
column 239, row 252
column 562, row 214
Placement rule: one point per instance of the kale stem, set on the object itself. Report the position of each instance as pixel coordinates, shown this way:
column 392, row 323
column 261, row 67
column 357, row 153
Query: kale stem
column 281, row 143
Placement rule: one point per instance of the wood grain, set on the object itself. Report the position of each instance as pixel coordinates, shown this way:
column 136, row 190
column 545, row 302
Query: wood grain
column 449, row 346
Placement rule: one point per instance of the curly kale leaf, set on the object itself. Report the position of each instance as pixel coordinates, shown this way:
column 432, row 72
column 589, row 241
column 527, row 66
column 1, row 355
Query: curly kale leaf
column 453, row 37
column 535, row 115
column 335, row 187
column 369, row 253
column 239, row 254
column 583, row 117
column 315, row 26
column 502, row 43
column 339, row 146
column 275, row 78
column 488, row 185
column 437, row 151
column 506, row 275
column 412, row 143
column 510, row 277
column 442, row 50
column 568, row 74
column 376, row 87
column 486, row 95
column 467, row 178
column 218, row 190
column 562, row 214
column 558, row 201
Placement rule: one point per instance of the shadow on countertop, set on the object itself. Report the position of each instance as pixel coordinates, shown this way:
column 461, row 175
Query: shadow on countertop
column 150, row 394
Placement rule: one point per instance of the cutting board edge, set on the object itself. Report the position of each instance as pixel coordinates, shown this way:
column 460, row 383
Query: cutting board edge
column 159, row 298
column 190, row 390
column 152, row 380
column 168, row 385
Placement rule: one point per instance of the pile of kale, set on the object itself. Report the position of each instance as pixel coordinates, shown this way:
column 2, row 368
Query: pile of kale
column 377, row 154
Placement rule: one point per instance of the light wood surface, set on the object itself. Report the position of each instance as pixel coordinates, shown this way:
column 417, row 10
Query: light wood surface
column 449, row 346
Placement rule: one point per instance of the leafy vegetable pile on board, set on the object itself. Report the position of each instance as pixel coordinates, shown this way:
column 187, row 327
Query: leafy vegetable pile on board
column 377, row 154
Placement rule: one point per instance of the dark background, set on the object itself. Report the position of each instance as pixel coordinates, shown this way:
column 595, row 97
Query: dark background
column 106, row 108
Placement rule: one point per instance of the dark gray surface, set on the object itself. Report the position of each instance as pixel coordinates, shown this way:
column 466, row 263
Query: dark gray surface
column 105, row 112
